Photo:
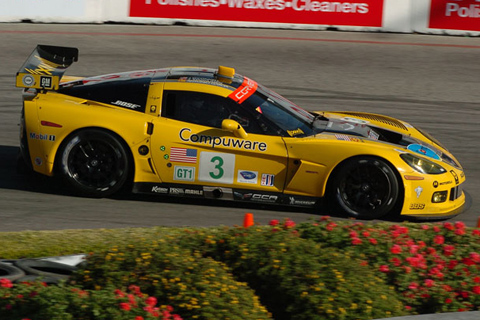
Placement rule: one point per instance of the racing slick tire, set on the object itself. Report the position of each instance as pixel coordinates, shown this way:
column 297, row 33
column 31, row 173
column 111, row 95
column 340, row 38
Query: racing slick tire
column 94, row 163
column 364, row 188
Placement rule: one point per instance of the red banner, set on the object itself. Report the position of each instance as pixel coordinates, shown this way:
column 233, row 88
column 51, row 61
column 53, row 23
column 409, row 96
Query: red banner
column 366, row 13
column 455, row 14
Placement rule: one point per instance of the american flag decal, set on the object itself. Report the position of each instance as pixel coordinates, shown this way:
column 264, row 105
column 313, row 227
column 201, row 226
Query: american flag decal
column 183, row 155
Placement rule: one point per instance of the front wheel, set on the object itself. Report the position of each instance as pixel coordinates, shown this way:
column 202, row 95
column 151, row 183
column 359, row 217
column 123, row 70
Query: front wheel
column 94, row 163
column 365, row 188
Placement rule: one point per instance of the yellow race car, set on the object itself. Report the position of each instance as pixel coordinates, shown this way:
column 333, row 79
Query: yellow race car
column 212, row 133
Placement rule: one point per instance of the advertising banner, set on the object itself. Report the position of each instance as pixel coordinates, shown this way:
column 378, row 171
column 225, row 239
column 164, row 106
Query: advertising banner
column 455, row 14
column 44, row 8
column 365, row 13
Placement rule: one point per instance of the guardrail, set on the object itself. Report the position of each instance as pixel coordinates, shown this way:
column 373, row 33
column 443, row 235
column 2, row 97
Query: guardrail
column 452, row 17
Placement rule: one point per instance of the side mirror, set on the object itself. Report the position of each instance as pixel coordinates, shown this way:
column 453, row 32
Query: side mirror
column 235, row 127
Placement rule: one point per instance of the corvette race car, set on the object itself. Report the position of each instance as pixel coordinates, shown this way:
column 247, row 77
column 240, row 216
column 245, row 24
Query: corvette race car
column 212, row 133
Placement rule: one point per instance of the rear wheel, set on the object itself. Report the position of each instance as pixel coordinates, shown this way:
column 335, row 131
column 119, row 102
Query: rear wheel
column 94, row 163
column 364, row 187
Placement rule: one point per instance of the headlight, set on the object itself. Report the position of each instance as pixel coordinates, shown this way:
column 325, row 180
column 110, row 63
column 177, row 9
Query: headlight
column 422, row 165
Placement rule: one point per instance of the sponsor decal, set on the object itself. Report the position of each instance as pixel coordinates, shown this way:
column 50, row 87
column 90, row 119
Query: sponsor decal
column 436, row 183
column 256, row 197
column 28, row 80
column 418, row 191
column 177, row 191
column 319, row 12
column 293, row 133
column 158, row 189
column 244, row 91
column 425, row 151
column 39, row 136
column 297, row 202
column 346, row 137
column 183, row 155
column 194, row 192
column 228, row 142
column 213, row 82
column 455, row 14
column 417, row 206
column 373, row 135
column 38, row 161
column 126, row 104
column 46, row 82
column 153, row 108
column 184, row 173
column 455, row 176
column 267, row 180
column 354, row 120
column 244, row 176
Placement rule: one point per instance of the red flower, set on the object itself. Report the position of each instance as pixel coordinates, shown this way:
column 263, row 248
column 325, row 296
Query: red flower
column 353, row 234
column 448, row 250
column 331, row 226
column 476, row 232
column 356, row 241
column 448, row 300
column 151, row 301
column 139, row 318
column 6, row 283
column 396, row 249
column 366, row 234
column 384, row 268
column 373, row 240
column 413, row 286
column 429, row 283
column 414, row 249
column 448, row 226
column 460, row 232
column 436, row 228
column 396, row 261
column 476, row 289
column 439, row 239
column 125, row 306
column 476, row 279
column 425, row 227
column 475, row 257
column 273, row 222
column 289, row 223
column 460, row 225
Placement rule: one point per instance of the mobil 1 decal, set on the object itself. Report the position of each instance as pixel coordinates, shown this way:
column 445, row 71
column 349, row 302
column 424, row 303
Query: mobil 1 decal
column 216, row 167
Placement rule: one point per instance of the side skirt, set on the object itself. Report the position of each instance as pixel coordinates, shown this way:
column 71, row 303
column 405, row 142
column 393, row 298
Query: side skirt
column 222, row 193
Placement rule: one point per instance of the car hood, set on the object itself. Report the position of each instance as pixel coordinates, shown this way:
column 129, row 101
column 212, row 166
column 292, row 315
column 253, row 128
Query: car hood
column 384, row 129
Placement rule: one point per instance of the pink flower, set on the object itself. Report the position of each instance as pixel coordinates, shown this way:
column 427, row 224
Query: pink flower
column 384, row 268
column 396, row 249
column 425, row 227
column 414, row 249
column 273, row 222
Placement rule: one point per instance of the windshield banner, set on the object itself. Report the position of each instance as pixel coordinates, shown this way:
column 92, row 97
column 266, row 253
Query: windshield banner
column 455, row 14
column 366, row 13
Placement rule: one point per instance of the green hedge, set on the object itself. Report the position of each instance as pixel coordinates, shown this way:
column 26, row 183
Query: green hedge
column 316, row 270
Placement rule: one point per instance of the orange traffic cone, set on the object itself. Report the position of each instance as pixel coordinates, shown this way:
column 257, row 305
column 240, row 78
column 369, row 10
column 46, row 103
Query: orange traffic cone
column 248, row 220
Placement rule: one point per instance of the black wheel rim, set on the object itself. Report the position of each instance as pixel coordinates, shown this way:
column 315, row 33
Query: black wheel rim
column 96, row 164
column 366, row 189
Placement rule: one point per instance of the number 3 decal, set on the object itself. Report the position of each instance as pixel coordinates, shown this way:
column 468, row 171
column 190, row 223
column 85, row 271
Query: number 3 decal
column 216, row 167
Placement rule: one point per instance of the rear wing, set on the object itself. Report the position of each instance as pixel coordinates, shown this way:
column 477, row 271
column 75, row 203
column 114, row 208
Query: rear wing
column 45, row 67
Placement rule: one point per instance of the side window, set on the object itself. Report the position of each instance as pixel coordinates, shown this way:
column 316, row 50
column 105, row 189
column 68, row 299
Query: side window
column 206, row 109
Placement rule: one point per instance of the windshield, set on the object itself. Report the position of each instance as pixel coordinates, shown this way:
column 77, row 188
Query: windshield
column 292, row 120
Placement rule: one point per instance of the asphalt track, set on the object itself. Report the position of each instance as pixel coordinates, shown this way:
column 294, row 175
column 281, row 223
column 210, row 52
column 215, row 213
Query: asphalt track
column 429, row 81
